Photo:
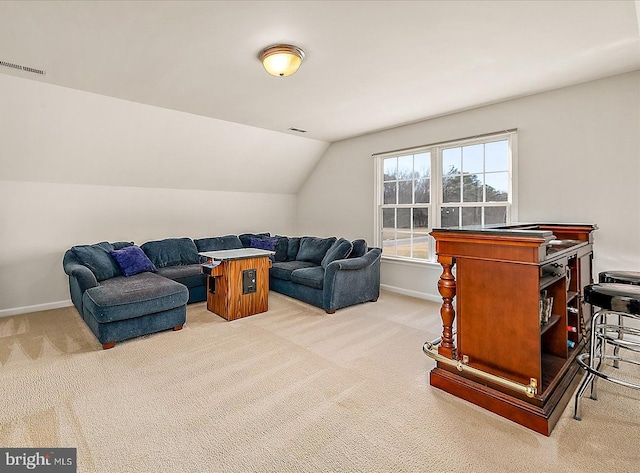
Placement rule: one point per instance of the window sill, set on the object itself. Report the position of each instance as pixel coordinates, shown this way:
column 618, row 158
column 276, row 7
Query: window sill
column 411, row 262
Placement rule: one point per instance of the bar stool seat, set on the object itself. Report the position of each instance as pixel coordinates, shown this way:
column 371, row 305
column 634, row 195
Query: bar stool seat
column 614, row 297
column 620, row 277
column 622, row 300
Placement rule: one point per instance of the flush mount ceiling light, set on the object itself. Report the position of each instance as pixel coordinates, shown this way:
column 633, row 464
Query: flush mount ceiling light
column 281, row 60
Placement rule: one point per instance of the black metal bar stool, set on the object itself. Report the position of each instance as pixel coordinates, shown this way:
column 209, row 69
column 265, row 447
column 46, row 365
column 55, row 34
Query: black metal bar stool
column 622, row 300
column 619, row 277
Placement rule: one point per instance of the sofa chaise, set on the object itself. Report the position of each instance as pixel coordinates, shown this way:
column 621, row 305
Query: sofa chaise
column 117, row 307
column 123, row 291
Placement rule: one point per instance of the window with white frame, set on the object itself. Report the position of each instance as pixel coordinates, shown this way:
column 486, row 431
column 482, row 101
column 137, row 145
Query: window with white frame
column 464, row 182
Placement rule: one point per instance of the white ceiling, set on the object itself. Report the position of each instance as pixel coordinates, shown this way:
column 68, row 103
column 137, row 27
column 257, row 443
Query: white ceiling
column 370, row 65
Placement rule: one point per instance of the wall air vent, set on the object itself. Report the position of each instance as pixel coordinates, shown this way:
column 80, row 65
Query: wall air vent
column 23, row 68
column 298, row 130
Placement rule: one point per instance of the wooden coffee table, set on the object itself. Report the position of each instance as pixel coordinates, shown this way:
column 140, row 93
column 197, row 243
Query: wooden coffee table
column 237, row 282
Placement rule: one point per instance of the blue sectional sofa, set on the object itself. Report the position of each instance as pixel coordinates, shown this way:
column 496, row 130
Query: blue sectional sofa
column 123, row 291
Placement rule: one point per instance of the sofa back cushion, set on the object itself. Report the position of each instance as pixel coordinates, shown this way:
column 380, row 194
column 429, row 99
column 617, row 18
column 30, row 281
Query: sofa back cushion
column 313, row 249
column 171, row 252
column 118, row 245
column 293, row 246
column 339, row 250
column 282, row 249
column 227, row 242
column 359, row 248
column 96, row 257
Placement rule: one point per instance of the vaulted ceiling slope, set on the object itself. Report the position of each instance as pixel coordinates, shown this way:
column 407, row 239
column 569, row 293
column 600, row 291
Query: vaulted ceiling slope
column 370, row 65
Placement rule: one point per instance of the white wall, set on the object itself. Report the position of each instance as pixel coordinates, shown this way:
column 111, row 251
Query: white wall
column 78, row 168
column 39, row 221
column 81, row 168
column 55, row 134
column 579, row 161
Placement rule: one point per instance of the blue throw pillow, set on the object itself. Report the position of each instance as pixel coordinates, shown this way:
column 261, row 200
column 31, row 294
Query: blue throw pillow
column 132, row 260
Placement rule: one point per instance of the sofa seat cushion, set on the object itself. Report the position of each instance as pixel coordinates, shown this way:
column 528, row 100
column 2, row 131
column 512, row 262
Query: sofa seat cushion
column 189, row 275
column 284, row 269
column 312, row 277
column 171, row 252
column 123, row 297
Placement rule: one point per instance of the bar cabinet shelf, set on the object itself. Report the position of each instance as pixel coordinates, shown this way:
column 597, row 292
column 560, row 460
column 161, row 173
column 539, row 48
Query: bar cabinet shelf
column 552, row 321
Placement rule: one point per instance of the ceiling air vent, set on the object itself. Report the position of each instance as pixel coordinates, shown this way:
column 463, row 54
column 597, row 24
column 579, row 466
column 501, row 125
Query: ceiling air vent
column 23, row 68
column 298, row 130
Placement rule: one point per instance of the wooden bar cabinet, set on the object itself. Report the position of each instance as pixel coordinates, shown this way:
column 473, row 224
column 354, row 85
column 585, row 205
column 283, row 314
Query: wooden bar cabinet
column 513, row 317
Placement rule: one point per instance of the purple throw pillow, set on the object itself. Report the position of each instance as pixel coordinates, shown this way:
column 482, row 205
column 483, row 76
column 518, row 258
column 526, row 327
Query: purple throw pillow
column 264, row 243
column 132, row 260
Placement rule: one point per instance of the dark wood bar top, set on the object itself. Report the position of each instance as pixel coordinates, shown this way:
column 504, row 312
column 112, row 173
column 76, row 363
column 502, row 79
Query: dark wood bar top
column 537, row 243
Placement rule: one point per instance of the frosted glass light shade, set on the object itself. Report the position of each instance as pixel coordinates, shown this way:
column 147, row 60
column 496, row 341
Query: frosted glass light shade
column 281, row 60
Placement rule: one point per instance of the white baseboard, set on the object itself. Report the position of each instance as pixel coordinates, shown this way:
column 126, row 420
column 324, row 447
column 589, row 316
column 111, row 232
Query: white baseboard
column 35, row 308
column 68, row 303
column 408, row 292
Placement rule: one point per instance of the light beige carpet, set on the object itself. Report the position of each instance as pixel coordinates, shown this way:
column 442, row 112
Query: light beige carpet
column 293, row 389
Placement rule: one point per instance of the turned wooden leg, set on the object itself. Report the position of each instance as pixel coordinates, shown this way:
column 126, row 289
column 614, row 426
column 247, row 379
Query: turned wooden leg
column 447, row 289
column 106, row 346
column 374, row 300
column 177, row 327
column 330, row 311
